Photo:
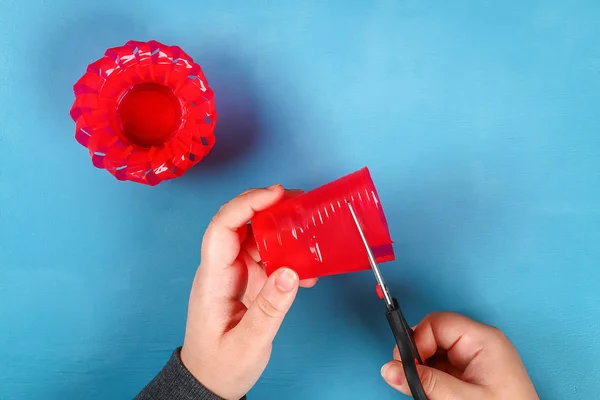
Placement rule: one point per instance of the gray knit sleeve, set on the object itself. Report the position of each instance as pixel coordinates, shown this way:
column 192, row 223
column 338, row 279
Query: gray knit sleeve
column 175, row 382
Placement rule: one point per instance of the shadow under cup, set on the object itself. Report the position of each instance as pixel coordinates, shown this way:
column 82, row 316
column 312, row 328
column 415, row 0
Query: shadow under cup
column 315, row 235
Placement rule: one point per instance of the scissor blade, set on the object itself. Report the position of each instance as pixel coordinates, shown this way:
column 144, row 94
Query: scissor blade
column 386, row 294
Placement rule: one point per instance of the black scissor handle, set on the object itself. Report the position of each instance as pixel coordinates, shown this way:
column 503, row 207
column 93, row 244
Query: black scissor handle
column 408, row 350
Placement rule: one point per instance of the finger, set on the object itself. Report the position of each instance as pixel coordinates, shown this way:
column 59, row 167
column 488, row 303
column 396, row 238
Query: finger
column 437, row 384
column 437, row 361
column 257, row 277
column 265, row 315
column 463, row 338
column 249, row 244
column 221, row 243
column 308, row 283
column 441, row 363
column 249, row 190
column 256, row 280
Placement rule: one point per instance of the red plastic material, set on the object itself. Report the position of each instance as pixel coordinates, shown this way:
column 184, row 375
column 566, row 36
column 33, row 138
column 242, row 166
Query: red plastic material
column 379, row 291
column 145, row 112
column 314, row 233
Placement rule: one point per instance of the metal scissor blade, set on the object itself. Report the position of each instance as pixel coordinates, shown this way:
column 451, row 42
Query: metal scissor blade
column 386, row 294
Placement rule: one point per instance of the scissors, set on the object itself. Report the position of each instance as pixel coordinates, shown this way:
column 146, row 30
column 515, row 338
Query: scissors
column 403, row 333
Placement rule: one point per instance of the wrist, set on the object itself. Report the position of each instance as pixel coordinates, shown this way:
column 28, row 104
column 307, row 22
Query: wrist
column 203, row 373
column 176, row 381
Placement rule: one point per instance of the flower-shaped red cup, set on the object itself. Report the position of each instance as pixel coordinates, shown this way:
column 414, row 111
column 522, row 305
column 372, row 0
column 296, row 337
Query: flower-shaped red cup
column 315, row 235
column 145, row 112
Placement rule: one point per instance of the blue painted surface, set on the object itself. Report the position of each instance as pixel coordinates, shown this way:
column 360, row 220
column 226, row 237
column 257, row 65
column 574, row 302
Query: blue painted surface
column 479, row 120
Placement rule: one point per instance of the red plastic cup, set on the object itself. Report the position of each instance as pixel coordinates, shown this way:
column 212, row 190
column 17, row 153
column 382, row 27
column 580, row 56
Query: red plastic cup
column 145, row 112
column 315, row 235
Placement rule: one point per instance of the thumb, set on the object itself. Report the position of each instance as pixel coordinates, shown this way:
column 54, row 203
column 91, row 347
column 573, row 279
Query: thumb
column 265, row 315
column 437, row 384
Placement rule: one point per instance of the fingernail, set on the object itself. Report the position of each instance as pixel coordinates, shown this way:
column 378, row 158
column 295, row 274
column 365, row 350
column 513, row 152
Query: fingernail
column 383, row 369
column 273, row 187
column 286, row 280
column 393, row 374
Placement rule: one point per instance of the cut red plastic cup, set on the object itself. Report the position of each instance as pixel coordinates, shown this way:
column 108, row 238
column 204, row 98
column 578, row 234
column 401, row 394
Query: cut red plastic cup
column 315, row 235
column 145, row 112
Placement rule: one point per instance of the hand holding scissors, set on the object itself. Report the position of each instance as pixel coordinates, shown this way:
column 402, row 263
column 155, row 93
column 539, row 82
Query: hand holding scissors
column 467, row 360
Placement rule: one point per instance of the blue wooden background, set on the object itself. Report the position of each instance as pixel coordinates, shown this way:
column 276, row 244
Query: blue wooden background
column 480, row 121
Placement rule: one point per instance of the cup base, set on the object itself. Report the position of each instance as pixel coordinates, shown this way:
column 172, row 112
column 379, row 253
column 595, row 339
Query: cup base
column 148, row 114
